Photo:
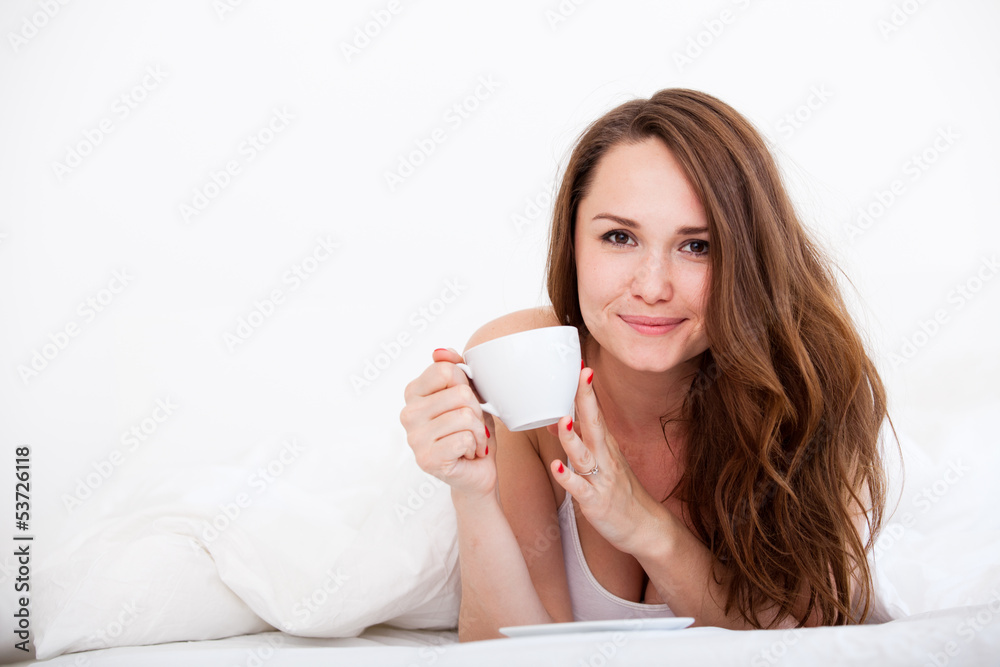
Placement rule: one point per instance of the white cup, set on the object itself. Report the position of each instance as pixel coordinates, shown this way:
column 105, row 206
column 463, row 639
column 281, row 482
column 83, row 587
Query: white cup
column 528, row 379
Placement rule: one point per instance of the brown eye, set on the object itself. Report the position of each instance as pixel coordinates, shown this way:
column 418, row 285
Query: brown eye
column 617, row 238
column 698, row 247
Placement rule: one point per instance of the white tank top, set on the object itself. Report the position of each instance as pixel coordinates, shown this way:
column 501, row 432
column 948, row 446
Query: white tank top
column 590, row 600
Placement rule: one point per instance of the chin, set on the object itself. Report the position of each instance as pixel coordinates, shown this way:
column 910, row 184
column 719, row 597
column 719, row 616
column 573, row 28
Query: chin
column 662, row 363
column 647, row 363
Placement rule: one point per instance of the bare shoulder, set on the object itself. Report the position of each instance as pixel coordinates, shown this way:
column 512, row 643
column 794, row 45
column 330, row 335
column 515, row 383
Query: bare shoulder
column 511, row 323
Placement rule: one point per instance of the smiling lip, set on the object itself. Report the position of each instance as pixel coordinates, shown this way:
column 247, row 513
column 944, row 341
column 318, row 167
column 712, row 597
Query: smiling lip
column 652, row 325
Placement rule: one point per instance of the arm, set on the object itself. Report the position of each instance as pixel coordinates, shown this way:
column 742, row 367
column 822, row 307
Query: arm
column 501, row 492
column 693, row 586
column 684, row 572
column 496, row 587
column 679, row 565
column 511, row 550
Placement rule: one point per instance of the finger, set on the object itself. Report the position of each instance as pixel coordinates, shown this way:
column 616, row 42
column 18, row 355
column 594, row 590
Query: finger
column 462, row 420
column 489, row 449
column 577, row 451
column 439, row 375
column 425, row 409
column 453, row 398
column 452, row 357
column 446, row 354
column 573, row 483
column 455, row 446
column 592, row 428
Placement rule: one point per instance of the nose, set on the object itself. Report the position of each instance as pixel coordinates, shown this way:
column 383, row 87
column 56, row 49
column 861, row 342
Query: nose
column 652, row 280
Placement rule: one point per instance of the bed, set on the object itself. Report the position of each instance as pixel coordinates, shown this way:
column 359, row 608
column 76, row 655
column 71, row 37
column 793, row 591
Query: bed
column 203, row 570
column 947, row 637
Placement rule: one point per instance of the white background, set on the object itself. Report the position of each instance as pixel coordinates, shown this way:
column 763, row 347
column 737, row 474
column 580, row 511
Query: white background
column 869, row 86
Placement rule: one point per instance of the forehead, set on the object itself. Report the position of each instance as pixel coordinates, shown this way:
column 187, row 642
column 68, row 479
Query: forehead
column 645, row 182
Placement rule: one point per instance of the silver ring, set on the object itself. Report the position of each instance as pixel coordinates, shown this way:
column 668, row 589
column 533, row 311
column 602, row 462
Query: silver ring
column 590, row 472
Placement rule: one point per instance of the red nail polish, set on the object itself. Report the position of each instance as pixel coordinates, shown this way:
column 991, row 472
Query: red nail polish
column 569, row 426
column 581, row 364
column 561, row 469
column 590, row 377
column 439, row 349
column 487, row 430
column 487, row 450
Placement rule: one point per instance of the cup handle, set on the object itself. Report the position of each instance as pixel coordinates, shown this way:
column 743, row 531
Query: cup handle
column 487, row 407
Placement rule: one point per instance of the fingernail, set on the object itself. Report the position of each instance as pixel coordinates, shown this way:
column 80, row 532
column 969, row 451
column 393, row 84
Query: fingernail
column 561, row 469
column 487, row 450
column 569, row 426
column 590, row 377
column 487, row 430
column 581, row 364
column 439, row 349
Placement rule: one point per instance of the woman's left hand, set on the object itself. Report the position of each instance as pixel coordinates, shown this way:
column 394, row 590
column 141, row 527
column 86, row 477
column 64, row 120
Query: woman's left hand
column 612, row 499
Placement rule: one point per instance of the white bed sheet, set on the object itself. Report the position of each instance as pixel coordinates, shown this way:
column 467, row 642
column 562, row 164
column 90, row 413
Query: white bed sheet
column 399, row 568
column 958, row 636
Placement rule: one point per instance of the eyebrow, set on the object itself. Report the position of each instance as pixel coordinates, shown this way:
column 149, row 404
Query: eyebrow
column 632, row 224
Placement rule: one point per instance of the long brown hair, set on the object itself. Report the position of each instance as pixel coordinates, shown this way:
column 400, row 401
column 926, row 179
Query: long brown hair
column 785, row 412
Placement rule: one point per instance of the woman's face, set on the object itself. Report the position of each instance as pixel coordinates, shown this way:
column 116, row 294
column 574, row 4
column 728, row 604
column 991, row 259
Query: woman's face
column 642, row 258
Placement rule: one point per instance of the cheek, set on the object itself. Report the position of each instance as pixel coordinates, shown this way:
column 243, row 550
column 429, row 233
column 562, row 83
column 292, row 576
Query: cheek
column 588, row 275
column 600, row 283
column 695, row 289
column 588, row 289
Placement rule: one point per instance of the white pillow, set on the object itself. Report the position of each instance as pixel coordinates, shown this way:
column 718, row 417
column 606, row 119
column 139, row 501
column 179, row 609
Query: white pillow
column 312, row 576
column 313, row 555
column 938, row 549
column 132, row 582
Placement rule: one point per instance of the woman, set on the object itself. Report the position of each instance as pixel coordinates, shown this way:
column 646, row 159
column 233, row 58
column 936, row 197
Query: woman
column 724, row 462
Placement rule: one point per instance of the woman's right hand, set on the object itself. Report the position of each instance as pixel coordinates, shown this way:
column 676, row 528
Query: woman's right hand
column 446, row 428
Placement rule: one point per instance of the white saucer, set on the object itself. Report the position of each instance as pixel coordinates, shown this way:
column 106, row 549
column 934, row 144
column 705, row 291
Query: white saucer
column 617, row 625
